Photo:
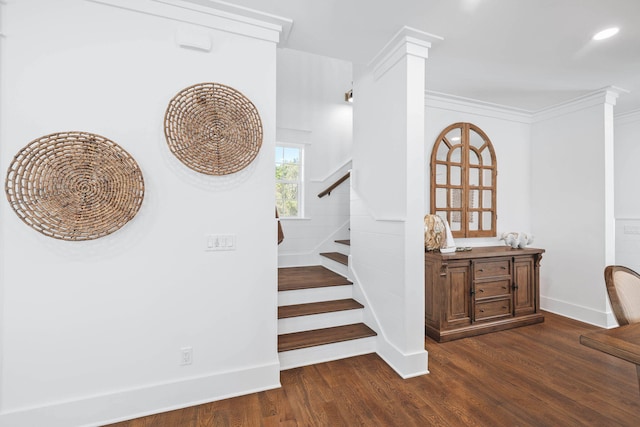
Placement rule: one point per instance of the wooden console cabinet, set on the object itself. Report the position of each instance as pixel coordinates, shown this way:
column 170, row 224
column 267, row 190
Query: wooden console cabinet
column 483, row 290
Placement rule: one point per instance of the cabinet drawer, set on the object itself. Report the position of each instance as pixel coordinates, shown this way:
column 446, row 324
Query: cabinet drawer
column 493, row 289
column 492, row 309
column 492, row 268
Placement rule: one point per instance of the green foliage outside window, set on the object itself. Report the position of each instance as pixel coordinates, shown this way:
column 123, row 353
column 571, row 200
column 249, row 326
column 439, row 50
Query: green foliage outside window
column 288, row 181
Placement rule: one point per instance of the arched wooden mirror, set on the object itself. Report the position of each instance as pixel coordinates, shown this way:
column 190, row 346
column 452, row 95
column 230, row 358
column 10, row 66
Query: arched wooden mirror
column 463, row 180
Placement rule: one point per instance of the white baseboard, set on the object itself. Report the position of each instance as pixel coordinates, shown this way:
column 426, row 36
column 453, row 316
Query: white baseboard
column 576, row 312
column 128, row 404
column 405, row 365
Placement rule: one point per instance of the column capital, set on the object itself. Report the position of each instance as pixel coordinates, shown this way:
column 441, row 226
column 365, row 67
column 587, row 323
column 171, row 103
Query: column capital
column 406, row 42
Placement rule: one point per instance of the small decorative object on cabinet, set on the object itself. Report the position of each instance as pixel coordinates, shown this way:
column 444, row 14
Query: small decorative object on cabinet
column 485, row 290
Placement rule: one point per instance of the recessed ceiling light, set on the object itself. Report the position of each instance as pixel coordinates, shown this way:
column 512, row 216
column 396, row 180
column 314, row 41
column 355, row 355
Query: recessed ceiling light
column 605, row 34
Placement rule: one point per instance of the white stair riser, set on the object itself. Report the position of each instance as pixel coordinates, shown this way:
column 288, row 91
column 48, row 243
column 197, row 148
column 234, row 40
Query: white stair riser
column 304, row 296
column 343, row 249
column 319, row 321
column 325, row 353
column 335, row 266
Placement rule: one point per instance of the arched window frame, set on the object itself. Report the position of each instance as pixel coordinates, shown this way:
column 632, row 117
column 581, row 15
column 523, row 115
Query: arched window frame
column 463, row 186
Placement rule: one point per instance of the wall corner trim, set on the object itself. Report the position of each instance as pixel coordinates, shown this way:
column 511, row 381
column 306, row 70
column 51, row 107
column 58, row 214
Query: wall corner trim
column 406, row 42
column 212, row 14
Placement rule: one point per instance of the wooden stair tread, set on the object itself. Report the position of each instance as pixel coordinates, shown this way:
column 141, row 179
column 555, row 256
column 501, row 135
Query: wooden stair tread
column 344, row 242
column 318, row 308
column 337, row 257
column 315, row 276
column 298, row 340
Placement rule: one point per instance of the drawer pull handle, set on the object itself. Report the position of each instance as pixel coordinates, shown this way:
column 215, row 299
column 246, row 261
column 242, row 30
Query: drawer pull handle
column 503, row 267
column 481, row 290
column 482, row 310
column 481, row 270
column 504, row 307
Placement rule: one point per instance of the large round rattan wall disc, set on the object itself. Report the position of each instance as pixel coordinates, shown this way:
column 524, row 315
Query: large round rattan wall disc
column 213, row 129
column 74, row 185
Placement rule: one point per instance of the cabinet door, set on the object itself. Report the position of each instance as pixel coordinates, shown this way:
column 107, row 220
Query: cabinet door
column 523, row 286
column 459, row 295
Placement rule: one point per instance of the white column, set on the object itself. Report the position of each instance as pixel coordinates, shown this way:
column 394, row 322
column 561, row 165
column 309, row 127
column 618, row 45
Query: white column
column 388, row 187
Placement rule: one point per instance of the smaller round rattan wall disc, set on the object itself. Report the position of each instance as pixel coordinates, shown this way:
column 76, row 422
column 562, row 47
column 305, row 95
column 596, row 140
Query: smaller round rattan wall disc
column 74, row 185
column 213, row 129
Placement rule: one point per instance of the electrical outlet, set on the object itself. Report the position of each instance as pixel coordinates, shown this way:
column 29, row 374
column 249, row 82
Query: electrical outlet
column 186, row 355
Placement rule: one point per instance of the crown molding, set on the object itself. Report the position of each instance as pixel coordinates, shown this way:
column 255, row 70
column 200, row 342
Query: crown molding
column 212, row 14
column 445, row 101
column 406, row 42
column 606, row 95
column 628, row 117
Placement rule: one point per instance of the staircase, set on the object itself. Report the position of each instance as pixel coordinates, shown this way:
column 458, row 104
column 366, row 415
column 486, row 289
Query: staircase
column 318, row 320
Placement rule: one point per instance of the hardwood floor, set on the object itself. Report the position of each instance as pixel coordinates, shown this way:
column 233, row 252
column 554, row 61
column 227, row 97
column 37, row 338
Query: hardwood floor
column 537, row 375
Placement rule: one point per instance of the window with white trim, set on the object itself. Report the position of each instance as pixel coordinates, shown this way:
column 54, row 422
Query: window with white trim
column 289, row 180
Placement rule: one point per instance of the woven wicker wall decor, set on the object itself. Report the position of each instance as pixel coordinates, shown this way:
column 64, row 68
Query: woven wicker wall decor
column 213, row 129
column 74, row 185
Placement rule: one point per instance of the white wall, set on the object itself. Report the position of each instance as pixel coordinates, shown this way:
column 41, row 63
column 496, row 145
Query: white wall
column 387, row 198
column 572, row 160
column 92, row 331
column 627, row 202
column 509, row 131
column 311, row 111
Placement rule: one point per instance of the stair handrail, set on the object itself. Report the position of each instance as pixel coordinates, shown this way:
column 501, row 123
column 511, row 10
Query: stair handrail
column 328, row 190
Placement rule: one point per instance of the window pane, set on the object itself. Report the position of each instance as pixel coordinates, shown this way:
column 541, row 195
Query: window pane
column 287, row 199
column 486, row 220
column 474, row 195
column 443, row 152
column 473, row 220
column 474, row 177
column 486, row 199
column 441, row 198
column 456, row 198
column 288, row 172
column 486, row 177
column 456, row 155
column 441, row 174
column 486, row 157
column 456, row 221
column 473, row 158
column 456, row 175
column 291, row 155
column 454, row 136
column 475, row 140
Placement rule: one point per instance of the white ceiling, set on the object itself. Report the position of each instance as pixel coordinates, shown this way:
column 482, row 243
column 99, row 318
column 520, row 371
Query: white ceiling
column 528, row 54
